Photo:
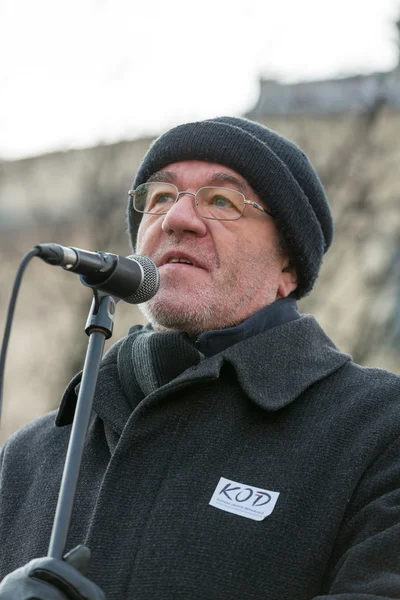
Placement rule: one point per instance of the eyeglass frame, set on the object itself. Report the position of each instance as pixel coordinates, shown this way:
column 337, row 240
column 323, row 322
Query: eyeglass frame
column 247, row 202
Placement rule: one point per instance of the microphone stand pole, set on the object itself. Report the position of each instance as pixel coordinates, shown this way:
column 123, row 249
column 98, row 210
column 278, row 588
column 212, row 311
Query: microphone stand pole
column 99, row 327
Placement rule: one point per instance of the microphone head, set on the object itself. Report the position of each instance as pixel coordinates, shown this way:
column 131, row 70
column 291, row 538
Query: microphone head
column 150, row 283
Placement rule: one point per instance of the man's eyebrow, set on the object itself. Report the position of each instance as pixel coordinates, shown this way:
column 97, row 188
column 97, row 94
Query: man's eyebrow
column 162, row 177
column 226, row 178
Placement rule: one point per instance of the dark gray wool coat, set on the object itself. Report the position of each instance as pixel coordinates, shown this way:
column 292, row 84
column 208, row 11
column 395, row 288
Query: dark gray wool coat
column 283, row 412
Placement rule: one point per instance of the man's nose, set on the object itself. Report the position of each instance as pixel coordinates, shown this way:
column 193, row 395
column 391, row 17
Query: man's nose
column 183, row 218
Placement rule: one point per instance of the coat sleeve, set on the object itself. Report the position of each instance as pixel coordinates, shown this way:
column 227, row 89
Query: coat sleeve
column 365, row 563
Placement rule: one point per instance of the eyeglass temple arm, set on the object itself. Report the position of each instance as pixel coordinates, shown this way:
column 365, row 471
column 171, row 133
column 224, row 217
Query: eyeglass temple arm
column 256, row 205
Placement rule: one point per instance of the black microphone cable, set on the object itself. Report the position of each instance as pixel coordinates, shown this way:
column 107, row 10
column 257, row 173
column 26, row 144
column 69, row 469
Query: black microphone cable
column 10, row 315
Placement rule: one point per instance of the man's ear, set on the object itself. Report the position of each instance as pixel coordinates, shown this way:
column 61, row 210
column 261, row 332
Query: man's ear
column 287, row 281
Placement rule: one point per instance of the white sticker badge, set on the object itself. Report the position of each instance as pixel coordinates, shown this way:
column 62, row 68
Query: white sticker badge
column 244, row 500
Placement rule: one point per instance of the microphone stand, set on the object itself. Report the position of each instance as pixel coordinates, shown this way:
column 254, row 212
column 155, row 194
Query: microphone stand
column 99, row 327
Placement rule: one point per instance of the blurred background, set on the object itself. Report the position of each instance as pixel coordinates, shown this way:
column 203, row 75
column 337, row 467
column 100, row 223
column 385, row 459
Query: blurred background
column 85, row 87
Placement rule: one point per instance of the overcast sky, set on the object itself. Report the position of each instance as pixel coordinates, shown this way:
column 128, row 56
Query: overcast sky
column 84, row 72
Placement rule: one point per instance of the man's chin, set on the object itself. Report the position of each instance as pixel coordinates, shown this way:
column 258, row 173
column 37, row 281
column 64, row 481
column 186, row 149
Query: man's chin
column 178, row 315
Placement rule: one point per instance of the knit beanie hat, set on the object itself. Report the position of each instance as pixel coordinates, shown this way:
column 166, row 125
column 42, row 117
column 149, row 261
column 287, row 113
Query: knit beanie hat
column 277, row 170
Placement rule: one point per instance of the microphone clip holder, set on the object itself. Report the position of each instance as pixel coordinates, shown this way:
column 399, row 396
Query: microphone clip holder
column 102, row 314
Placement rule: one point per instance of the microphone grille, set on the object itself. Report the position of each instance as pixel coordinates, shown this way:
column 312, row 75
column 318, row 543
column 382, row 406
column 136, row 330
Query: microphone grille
column 151, row 280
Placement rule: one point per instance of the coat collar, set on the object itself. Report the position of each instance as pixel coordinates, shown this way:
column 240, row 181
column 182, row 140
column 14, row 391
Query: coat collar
column 273, row 368
column 279, row 312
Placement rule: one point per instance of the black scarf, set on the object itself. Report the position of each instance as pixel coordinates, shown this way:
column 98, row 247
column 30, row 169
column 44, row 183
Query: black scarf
column 147, row 360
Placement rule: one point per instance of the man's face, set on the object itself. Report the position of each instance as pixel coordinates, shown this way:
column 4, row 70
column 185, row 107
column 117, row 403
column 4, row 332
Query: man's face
column 237, row 266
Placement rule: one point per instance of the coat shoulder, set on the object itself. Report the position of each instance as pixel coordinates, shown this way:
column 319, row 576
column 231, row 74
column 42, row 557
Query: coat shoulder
column 33, row 441
column 371, row 381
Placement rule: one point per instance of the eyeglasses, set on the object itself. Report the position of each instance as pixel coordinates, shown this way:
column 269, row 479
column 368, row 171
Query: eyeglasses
column 222, row 204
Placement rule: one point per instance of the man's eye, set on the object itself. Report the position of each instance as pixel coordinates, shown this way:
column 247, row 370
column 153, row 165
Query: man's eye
column 162, row 198
column 221, row 202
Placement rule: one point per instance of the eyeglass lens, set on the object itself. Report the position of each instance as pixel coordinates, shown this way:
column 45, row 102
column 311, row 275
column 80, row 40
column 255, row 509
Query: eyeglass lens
column 211, row 202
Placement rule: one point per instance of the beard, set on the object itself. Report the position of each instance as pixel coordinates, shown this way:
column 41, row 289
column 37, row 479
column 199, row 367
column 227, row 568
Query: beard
column 167, row 316
column 235, row 290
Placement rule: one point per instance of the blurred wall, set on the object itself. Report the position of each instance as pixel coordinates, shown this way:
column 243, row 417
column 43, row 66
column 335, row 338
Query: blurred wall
column 79, row 198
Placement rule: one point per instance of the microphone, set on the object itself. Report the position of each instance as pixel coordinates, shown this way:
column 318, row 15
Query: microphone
column 134, row 279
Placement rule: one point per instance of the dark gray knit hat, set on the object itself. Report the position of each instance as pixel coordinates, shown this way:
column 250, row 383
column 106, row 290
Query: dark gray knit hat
column 278, row 171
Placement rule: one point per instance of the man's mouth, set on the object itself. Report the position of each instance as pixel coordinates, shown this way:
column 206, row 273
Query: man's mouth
column 185, row 261
column 176, row 257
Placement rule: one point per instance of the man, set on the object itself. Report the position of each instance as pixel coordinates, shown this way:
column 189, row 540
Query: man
column 234, row 451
